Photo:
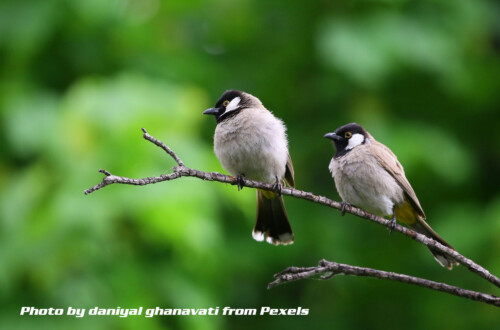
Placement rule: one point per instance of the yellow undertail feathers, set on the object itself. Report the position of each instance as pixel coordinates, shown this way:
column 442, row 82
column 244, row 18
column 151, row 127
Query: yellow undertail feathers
column 405, row 213
column 268, row 194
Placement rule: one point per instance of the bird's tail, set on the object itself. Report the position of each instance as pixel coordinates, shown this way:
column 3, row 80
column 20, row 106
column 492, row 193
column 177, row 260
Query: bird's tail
column 272, row 222
column 422, row 227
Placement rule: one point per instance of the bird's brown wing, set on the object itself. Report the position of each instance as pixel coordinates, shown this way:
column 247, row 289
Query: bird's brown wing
column 289, row 173
column 390, row 163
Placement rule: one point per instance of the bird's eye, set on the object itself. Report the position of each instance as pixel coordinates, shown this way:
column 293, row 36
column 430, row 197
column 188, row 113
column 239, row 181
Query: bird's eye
column 225, row 103
column 348, row 135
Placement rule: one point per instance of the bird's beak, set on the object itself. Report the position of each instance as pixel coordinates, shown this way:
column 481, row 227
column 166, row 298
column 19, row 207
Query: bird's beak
column 211, row 111
column 333, row 136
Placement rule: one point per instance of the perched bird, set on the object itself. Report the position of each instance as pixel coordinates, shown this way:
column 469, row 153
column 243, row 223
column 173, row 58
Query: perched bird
column 251, row 142
column 368, row 175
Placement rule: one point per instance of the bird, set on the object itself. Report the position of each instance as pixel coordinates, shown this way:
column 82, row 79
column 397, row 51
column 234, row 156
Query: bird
column 250, row 142
column 368, row 175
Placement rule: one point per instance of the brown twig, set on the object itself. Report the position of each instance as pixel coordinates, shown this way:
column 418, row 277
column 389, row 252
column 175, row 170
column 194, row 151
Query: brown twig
column 328, row 269
column 182, row 171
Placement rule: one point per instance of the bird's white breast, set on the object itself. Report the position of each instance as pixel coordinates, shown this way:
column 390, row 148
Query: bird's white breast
column 252, row 143
column 363, row 182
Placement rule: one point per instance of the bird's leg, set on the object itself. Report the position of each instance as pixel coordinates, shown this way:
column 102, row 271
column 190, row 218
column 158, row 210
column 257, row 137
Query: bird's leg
column 392, row 225
column 239, row 181
column 344, row 206
column 277, row 186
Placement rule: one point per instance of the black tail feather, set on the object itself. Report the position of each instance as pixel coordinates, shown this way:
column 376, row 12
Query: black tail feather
column 423, row 228
column 272, row 222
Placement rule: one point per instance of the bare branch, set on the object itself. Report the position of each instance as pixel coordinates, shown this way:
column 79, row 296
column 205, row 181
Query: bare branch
column 329, row 269
column 163, row 146
column 110, row 179
column 182, row 171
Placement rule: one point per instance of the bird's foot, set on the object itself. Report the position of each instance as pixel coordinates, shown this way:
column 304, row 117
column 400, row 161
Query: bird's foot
column 392, row 225
column 240, row 178
column 277, row 187
column 344, row 206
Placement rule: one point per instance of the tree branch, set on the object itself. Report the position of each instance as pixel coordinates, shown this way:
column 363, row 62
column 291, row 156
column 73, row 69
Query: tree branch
column 328, row 269
column 182, row 171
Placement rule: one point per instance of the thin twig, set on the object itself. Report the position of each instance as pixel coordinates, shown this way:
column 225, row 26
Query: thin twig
column 162, row 145
column 329, row 269
column 182, row 171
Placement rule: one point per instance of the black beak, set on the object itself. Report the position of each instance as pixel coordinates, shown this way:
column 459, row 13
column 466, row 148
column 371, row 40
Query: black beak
column 333, row 136
column 212, row 111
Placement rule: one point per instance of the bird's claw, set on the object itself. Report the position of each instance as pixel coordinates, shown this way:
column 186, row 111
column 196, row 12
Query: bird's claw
column 277, row 187
column 240, row 181
column 344, row 206
column 392, row 225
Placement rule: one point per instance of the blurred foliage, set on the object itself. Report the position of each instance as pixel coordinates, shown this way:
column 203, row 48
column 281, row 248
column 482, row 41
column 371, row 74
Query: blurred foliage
column 80, row 78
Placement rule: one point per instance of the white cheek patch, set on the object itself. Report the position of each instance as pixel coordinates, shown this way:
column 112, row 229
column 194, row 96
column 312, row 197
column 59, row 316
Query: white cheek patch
column 233, row 105
column 355, row 141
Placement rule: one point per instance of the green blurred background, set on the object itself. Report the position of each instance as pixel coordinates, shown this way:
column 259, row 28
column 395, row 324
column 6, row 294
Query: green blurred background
column 80, row 78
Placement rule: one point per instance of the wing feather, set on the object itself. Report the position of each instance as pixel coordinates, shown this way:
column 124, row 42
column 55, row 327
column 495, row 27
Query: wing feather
column 289, row 173
column 390, row 163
